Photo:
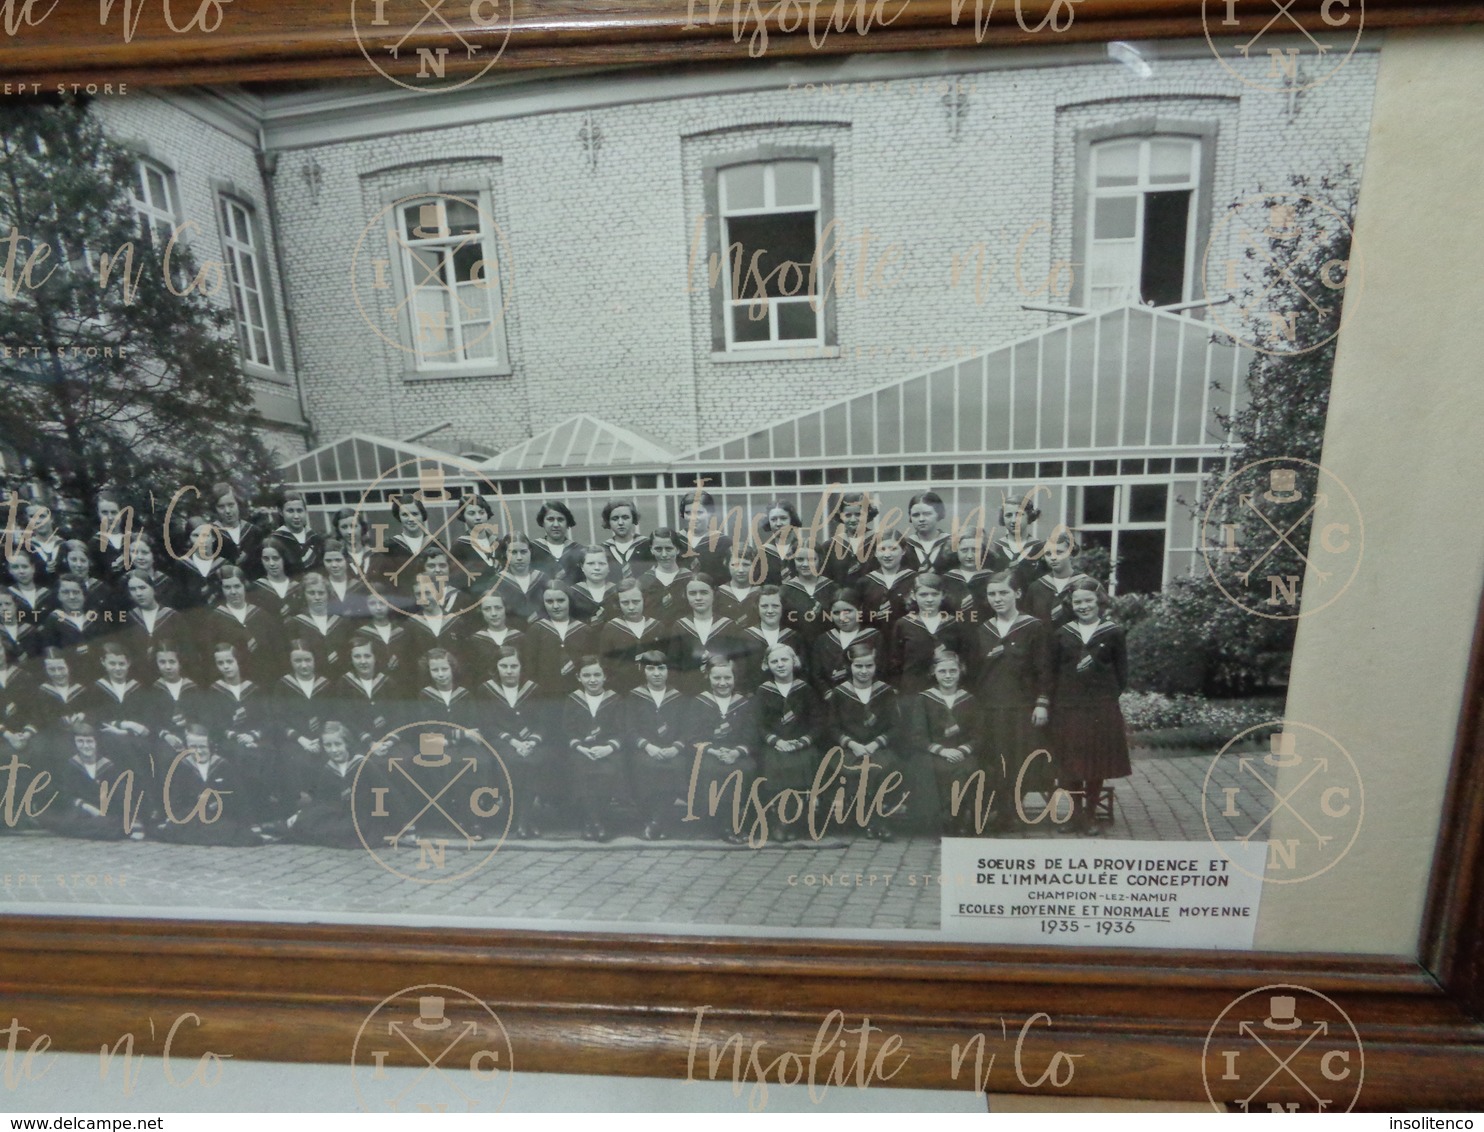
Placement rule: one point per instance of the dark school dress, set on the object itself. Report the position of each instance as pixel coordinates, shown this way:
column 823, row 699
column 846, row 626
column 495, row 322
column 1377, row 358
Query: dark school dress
column 739, row 606
column 394, row 568
column 523, row 602
column 874, row 720
column 789, row 718
column 562, row 561
column 477, row 569
column 910, row 651
column 711, row 553
column 295, row 715
column 1027, row 562
column 76, row 635
column 324, row 793
column 238, row 717
column 203, row 805
column 731, row 727
column 348, row 599
column 552, row 654
column 525, row 716
column 1012, row 676
column 935, row 557
column 1087, row 727
column 479, row 650
column 690, row 652
column 845, row 560
column 806, row 611
column 80, row 785
column 963, row 591
column 109, row 707
column 370, row 709
column 593, row 610
column 627, row 561
column 659, row 783
column 1042, row 598
column 619, row 644
column 240, row 545
column 392, row 644
column 753, row 644
column 279, row 606
column 601, row 785
column 475, row 805
column 255, row 637
column 885, row 601
column 829, row 660
column 306, row 550
column 139, row 637
column 931, row 721
column 199, row 582
column 327, row 639
column 665, row 600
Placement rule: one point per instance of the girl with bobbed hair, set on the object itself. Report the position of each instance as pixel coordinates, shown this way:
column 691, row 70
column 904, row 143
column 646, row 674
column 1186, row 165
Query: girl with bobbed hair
column 1014, row 546
column 1089, row 672
column 928, row 548
column 781, row 531
column 520, row 585
column 303, row 545
column 849, row 554
column 554, row 551
column 627, row 549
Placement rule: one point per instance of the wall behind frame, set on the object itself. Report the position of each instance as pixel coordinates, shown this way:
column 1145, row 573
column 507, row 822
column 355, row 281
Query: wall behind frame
column 1392, row 653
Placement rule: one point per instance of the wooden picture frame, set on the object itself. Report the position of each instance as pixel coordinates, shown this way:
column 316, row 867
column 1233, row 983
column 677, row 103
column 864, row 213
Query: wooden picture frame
column 622, row 1004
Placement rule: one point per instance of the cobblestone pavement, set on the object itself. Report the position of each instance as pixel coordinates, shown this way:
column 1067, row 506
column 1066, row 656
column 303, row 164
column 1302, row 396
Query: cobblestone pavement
column 627, row 883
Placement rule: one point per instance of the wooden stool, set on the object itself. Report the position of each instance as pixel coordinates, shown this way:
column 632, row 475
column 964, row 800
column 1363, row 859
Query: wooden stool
column 1102, row 808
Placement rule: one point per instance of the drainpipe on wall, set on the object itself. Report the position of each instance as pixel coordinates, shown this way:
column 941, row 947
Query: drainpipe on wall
column 267, row 169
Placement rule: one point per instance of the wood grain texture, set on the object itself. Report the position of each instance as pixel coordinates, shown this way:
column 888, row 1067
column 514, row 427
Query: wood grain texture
column 627, row 1004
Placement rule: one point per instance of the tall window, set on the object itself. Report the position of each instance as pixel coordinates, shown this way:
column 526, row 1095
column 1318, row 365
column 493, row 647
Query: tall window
column 154, row 202
column 1141, row 220
column 451, row 267
column 770, row 230
column 248, row 281
column 1129, row 521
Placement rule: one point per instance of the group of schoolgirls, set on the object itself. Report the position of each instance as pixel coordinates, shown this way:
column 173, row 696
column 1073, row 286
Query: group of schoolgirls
column 241, row 673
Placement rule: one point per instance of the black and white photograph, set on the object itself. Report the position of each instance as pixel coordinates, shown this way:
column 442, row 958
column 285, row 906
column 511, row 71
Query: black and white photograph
column 702, row 498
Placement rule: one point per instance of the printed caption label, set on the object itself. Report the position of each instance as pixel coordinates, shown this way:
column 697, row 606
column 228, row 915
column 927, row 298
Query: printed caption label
column 1095, row 893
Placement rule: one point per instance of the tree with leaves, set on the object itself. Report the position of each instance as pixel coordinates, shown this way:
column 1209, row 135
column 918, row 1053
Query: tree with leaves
column 1194, row 636
column 121, row 372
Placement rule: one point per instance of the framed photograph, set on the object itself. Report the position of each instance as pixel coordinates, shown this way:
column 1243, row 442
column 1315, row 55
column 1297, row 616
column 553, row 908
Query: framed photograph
column 674, row 537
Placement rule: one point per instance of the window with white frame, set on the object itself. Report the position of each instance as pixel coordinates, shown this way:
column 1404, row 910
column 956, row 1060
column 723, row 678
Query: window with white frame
column 1130, row 522
column 247, row 280
column 1141, row 220
column 450, row 267
column 154, row 202
column 770, row 231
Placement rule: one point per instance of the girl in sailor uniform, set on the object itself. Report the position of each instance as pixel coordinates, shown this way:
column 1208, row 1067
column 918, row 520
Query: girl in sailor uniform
column 431, row 625
column 700, row 636
column 703, row 548
column 301, row 700
column 204, row 800
column 1047, row 596
column 478, row 548
column 324, row 789
column 755, row 641
column 623, row 638
column 664, row 582
column 886, row 590
column 941, row 724
column 20, row 640
column 173, row 698
column 109, row 548
column 60, row 703
column 593, row 598
column 365, row 699
column 1013, row 674
column 736, row 599
column 199, row 569
column 302, row 546
column 347, row 593
column 87, row 803
column 554, row 552
column 69, row 626
column 521, row 586
column 916, row 638
column 627, row 549
column 725, row 721
column 864, row 722
column 17, row 695
column 145, row 560
column 1013, row 547
column 659, row 732
column 44, row 541
column 783, row 532
column 326, row 631
column 391, row 639
column 790, row 720
column 482, row 648
column 33, row 599
column 830, row 657
column 148, row 622
column 445, row 705
column 928, row 548
column 396, row 564
column 963, row 586
column 119, row 708
column 274, row 590
column 1090, row 671
column 247, row 628
column 846, row 557
column 594, row 727
column 518, row 721
column 236, row 710
column 807, row 597
column 353, row 531
column 240, row 539
column 77, row 561
column 557, row 643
